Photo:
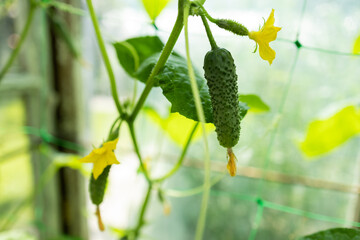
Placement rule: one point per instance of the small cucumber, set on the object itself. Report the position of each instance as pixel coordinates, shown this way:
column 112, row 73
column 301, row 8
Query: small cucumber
column 97, row 187
column 220, row 73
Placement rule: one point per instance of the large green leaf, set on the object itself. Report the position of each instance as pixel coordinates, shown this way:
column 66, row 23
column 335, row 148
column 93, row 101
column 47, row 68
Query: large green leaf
column 145, row 68
column 335, row 234
column 177, row 127
column 132, row 52
column 325, row 135
column 254, row 102
column 154, row 7
column 356, row 49
column 175, row 83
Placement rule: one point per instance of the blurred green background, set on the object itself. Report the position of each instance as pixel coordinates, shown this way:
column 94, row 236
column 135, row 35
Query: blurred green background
column 55, row 104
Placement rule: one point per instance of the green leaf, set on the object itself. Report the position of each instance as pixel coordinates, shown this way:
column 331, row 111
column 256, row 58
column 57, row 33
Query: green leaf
column 154, row 7
column 254, row 102
column 177, row 127
column 243, row 107
column 356, row 49
column 145, row 68
column 132, row 52
column 325, row 135
column 175, row 83
column 335, row 234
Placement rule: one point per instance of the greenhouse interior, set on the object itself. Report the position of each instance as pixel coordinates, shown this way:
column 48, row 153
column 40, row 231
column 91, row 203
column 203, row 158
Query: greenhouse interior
column 179, row 120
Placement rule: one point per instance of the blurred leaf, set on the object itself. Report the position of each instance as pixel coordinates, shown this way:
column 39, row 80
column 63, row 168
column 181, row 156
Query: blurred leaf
column 335, row 234
column 356, row 49
column 243, row 109
column 121, row 232
column 132, row 52
column 255, row 103
column 325, row 135
column 154, row 7
column 177, row 126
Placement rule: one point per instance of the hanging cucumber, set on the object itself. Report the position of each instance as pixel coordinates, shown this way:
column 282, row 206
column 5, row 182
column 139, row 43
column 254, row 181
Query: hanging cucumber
column 97, row 191
column 220, row 73
column 97, row 186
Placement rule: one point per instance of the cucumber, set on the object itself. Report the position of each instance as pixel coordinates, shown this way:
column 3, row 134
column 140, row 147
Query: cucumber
column 220, row 73
column 97, row 187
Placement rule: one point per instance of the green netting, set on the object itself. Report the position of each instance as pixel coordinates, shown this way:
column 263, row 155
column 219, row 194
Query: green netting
column 261, row 203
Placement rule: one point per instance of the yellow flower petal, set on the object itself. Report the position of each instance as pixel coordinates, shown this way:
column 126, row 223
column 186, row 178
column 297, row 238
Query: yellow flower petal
column 270, row 34
column 111, row 145
column 266, row 52
column 271, row 20
column 267, row 34
column 111, row 158
column 99, row 167
column 92, row 157
column 99, row 151
column 102, row 157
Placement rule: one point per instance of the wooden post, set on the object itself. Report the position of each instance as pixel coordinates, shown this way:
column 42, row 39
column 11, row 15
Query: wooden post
column 66, row 79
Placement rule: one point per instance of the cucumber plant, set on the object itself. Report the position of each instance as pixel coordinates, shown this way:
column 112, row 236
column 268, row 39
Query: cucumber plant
column 213, row 99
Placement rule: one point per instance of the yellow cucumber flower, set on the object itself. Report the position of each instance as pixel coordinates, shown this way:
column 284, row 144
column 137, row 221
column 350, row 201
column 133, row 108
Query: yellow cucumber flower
column 102, row 157
column 264, row 36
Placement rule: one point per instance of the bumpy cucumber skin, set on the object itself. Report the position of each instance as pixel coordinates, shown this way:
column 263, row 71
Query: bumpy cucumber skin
column 220, row 73
column 97, row 187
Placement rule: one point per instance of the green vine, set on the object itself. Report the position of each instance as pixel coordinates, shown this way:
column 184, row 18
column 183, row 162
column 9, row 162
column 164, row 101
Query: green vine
column 105, row 56
column 174, row 35
column 23, row 36
column 206, row 192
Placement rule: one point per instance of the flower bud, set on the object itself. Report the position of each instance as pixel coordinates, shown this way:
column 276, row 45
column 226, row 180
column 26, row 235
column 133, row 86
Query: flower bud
column 232, row 26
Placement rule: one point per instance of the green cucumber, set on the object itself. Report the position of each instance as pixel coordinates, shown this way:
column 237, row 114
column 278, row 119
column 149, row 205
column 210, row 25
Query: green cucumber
column 97, row 187
column 220, row 73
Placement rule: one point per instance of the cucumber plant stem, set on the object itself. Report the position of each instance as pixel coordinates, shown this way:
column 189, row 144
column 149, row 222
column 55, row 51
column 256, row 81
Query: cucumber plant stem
column 105, row 57
column 23, row 36
column 141, row 221
column 208, row 33
column 181, row 158
column 174, row 35
column 204, row 12
column 200, row 112
column 136, row 147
